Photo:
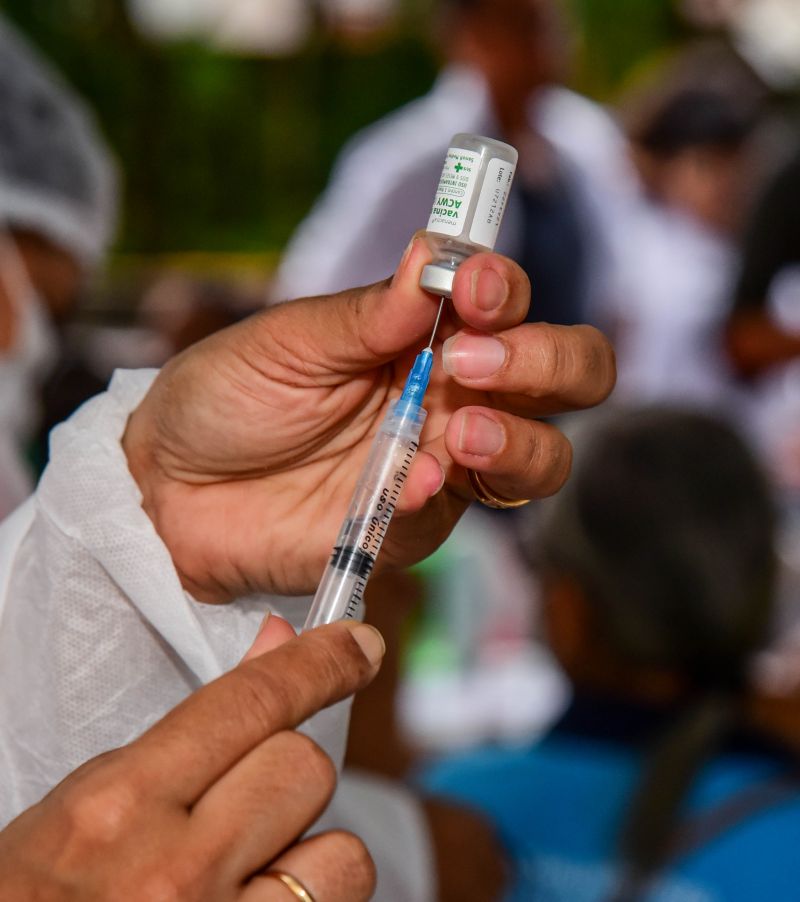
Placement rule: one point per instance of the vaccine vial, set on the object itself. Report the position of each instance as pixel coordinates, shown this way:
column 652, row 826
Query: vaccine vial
column 468, row 207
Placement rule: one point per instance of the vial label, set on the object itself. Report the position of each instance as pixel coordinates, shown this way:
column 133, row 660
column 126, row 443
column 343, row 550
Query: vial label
column 453, row 196
column 492, row 202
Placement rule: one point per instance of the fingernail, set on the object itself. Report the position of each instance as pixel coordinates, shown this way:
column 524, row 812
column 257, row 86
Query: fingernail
column 404, row 258
column 254, row 651
column 436, row 486
column 473, row 356
column 480, row 435
column 489, row 289
column 371, row 642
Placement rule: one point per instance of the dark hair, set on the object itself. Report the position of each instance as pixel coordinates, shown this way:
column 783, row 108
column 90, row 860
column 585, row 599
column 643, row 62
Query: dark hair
column 667, row 523
column 694, row 118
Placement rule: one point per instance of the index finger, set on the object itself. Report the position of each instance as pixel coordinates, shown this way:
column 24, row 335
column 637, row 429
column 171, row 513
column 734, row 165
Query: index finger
column 491, row 293
column 200, row 740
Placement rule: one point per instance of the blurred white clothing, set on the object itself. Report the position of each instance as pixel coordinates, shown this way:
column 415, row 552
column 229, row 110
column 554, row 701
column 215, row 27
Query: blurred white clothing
column 98, row 639
column 57, row 176
column 477, row 672
column 16, row 481
column 669, row 302
column 22, row 366
column 382, row 186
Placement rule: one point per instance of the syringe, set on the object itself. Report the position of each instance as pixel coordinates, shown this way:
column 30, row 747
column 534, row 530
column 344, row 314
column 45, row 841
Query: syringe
column 341, row 591
column 467, row 211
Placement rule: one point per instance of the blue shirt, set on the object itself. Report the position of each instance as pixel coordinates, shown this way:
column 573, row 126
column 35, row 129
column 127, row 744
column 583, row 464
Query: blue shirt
column 558, row 809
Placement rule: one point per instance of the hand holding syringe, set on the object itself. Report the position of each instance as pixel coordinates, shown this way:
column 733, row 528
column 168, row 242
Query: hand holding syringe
column 341, row 590
column 467, row 211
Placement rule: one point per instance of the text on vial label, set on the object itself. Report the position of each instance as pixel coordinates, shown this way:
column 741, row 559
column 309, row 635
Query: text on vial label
column 454, row 192
column 491, row 202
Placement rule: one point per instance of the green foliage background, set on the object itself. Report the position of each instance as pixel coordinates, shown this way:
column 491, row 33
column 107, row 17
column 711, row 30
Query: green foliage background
column 225, row 153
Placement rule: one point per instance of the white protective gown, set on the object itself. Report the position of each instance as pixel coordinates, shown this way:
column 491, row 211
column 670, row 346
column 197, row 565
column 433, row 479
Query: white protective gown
column 98, row 639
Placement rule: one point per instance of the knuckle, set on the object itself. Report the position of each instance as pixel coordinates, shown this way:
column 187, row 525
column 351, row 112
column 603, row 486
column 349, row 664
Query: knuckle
column 519, row 281
column 357, row 864
column 577, row 362
column 533, row 451
column 339, row 662
column 560, row 463
column 100, row 809
column 260, row 696
column 567, row 456
column 362, row 300
column 549, row 458
column 159, row 887
column 598, row 361
column 165, row 885
column 316, row 765
column 325, row 665
column 177, row 872
column 550, row 361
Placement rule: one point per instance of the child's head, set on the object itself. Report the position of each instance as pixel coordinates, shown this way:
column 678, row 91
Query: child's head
column 689, row 150
column 665, row 535
column 659, row 570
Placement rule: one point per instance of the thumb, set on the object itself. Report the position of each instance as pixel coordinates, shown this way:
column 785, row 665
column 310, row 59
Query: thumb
column 361, row 328
column 274, row 631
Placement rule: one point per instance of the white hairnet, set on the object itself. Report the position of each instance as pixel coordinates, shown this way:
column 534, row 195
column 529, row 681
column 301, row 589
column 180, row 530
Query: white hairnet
column 56, row 173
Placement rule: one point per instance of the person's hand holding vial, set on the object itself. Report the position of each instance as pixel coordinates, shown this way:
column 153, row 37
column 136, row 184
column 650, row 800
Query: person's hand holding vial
column 248, row 445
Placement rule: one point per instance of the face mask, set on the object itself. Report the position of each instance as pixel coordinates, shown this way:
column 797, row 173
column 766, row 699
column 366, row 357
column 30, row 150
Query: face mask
column 25, row 364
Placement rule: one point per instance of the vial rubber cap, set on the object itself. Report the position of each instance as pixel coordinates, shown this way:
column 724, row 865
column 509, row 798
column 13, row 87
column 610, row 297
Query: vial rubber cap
column 437, row 279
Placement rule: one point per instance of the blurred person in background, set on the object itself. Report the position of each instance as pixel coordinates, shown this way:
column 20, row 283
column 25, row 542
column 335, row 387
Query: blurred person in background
column 763, row 333
column 658, row 566
column 505, row 61
column 57, row 212
column 766, row 321
column 675, row 254
column 182, row 310
column 504, row 64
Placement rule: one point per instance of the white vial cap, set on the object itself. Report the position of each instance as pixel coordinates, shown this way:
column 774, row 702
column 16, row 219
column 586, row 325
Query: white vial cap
column 437, row 279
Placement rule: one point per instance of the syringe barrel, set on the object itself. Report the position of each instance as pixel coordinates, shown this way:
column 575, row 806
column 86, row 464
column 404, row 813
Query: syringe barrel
column 468, row 206
column 341, row 589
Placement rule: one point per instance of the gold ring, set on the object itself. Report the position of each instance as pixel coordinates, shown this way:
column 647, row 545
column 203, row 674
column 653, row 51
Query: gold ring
column 486, row 496
column 291, row 883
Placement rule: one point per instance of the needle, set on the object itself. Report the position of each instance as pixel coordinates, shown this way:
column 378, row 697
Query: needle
column 436, row 324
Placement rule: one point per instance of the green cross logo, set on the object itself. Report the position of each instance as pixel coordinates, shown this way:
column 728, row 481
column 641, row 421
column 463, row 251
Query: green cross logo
column 458, row 167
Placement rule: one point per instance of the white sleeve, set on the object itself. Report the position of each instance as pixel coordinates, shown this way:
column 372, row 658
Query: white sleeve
column 97, row 638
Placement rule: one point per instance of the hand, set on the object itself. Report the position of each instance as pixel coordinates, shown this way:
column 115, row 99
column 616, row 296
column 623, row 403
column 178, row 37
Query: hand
column 248, row 446
column 211, row 795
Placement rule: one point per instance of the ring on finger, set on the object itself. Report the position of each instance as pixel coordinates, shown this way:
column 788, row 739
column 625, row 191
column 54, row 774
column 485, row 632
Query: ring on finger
column 292, row 883
column 489, row 498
